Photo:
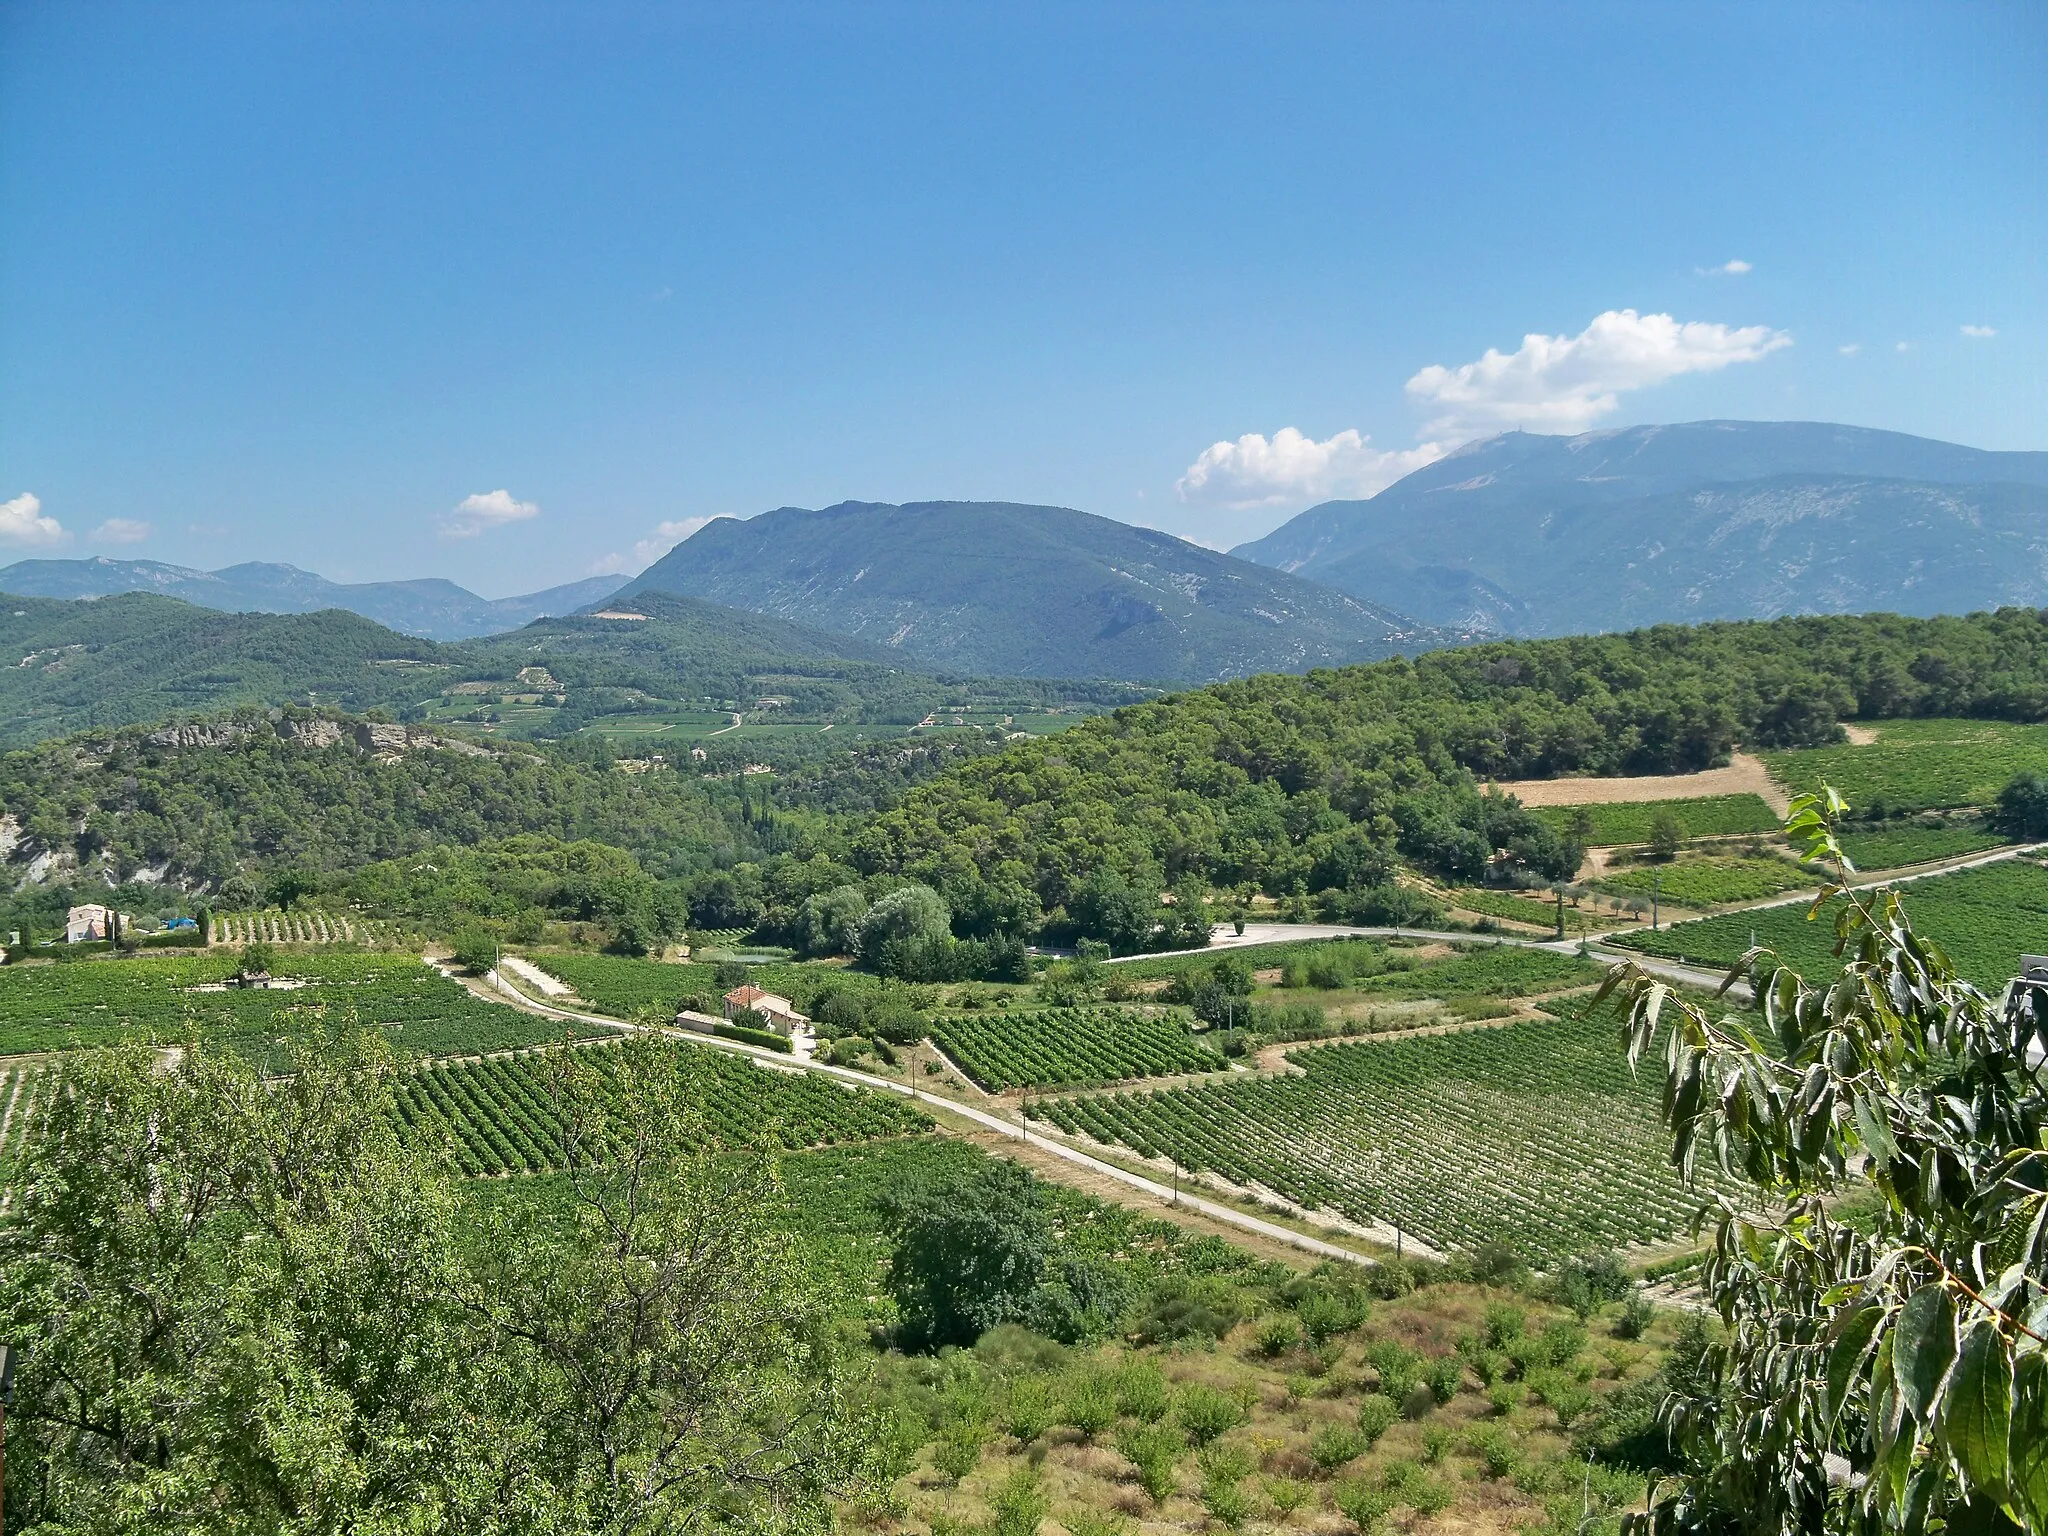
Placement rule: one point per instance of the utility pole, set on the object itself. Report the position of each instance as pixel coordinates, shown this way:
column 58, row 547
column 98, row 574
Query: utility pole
column 1656, row 889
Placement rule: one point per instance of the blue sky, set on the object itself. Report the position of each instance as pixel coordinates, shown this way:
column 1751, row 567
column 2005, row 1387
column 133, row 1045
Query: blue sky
column 503, row 292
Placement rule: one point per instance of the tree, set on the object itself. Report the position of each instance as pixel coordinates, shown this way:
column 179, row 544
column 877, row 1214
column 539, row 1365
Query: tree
column 1109, row 908
column 971, row 1245
column 2023, row 807
column 831, row 920
column 910, row 916
column 1912, row 1353
column 1667, row 835
column 475, row 949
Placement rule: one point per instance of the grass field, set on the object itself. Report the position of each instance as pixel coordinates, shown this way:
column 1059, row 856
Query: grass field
column 1984, row 918
column 1629, row 821
column 1533, row 1134
column 1921, row 764
column 1708, row 882
column 500, row 1115
column 1050, row 1047
column 421, row 1013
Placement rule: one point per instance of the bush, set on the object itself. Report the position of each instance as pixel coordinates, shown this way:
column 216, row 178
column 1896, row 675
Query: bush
column 1504, row 1322
column 1019, row 1505
column 1335, row 1445
column 1400, row 1368
column 1285, row 1494
column 1226, row 1503
column 1364, row 1505
column 767, row 1039
column 1634, row 1319
column 1184, row 1307
column 1276, row 1336
column 1204, row 1413
column 1141, row 1392
column 1496, row 1450
column 1376, row 1415
column 1445, row 1375
column 959, row 1450
column 1088, row 1404
column 1030, row 1410
column 1153, row 1450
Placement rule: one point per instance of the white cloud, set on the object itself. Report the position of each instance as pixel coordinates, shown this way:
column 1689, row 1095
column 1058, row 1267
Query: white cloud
column 1256, row 471
column 1567, row 383
column 121, row 530
column 1732, row 268
column 1979, row 332
column 492, row 509
column 22, row 522
column 666, row 536
column 1850, row 349
column 1902, row 346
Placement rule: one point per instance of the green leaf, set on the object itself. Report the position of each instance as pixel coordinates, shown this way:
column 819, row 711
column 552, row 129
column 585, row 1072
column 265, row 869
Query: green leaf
column 1924, row 1348
column 1976, row 1414
column 1846, row 1358
column 2028, row 1468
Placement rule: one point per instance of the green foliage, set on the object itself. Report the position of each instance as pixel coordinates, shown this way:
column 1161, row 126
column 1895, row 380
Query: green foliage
column 1257, row 781
column 1376, row 1415
column 1275, row 1336
column 1204, row 1413
column 1019, row 1504
column 2022, row 811
column 971, row 1245
column 196, row 1250
column 1065, row 1046
column 1088, row 1403
column 1142, row 1392
column 1891, row 846
column 1364, row 1504
column 1154, row 1451
column 1905, row 1343
column 1335, row 1445
column 475, row 949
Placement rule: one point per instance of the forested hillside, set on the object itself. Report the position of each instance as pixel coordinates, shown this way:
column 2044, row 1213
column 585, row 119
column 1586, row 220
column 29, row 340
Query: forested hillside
column 1321, row 782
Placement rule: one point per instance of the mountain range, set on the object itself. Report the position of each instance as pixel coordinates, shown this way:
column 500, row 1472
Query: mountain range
column 1532, row 535
column 431, row 608
column 1026, row 591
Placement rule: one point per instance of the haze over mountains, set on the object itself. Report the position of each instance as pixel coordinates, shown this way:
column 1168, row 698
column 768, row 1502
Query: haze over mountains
column 431, row 608
column 995, row 587
column 1518, row 534
column 1531, row 535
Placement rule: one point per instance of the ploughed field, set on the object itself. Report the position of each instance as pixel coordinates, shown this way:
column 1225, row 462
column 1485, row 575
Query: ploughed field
column 167, row 1001
column 1535, row 1134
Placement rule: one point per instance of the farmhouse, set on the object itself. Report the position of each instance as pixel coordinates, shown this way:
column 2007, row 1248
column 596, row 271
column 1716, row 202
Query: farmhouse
column 780, row 1013
column 84, row 924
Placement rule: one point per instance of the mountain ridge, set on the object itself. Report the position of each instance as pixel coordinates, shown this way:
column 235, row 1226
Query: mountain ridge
column 1007, row 588
column 430, row 608
column 1702, row 520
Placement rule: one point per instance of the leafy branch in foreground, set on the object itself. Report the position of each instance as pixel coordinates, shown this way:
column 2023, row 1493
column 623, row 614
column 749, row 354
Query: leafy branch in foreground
column 1889, row 1375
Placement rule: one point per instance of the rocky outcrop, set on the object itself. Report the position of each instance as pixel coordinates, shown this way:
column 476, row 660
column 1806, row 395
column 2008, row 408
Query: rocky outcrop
column 373, row 736
column 311, row 733
column 210, row 733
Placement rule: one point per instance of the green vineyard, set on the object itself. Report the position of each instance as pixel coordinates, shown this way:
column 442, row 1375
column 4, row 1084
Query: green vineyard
column 1536, row 1135
column 1629, row 821
column 1050, row 1047
column 305, row 927
column 1984, row 918
column 103, row 1002
column 1892, row 847
column 502, row 1114
column 1920, row 764
column 1702, row 883
column 22, row 1091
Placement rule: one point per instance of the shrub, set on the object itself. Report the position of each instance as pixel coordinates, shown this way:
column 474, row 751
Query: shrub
column 1634, row 1319
column 1496, row 1450
column 1436, row 1442
column 1445, row 1375
column 1400, row 1368
column 1019, row 1505
column 1141, row 1392
column 767, row 1039
column 1030, row 1411
column 1153, row 1450
column 1088, row 1404
column 1324, row 1314
column 1205, row 1413
column 1504, row 1321
column 1376, row 1415
column 1364, row 1505
column 1276, row 1336
column 1226, row 1503
column 959, row 1450
column 1334, row 1445
column 1285, row 1494
column 1184, row 1307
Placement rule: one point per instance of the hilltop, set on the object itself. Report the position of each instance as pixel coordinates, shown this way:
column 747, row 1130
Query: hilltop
column 1534, row 535
column 431, row 609
column 1000, row 588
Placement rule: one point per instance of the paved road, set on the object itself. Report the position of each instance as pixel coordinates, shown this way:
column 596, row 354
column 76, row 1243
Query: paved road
column 1160, row 1192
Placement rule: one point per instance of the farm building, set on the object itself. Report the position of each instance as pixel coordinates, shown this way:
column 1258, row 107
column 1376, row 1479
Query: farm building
column 84, row 924
column 780, row 1012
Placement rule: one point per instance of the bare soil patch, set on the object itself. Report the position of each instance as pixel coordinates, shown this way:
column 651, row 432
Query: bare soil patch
column 1744, row 775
